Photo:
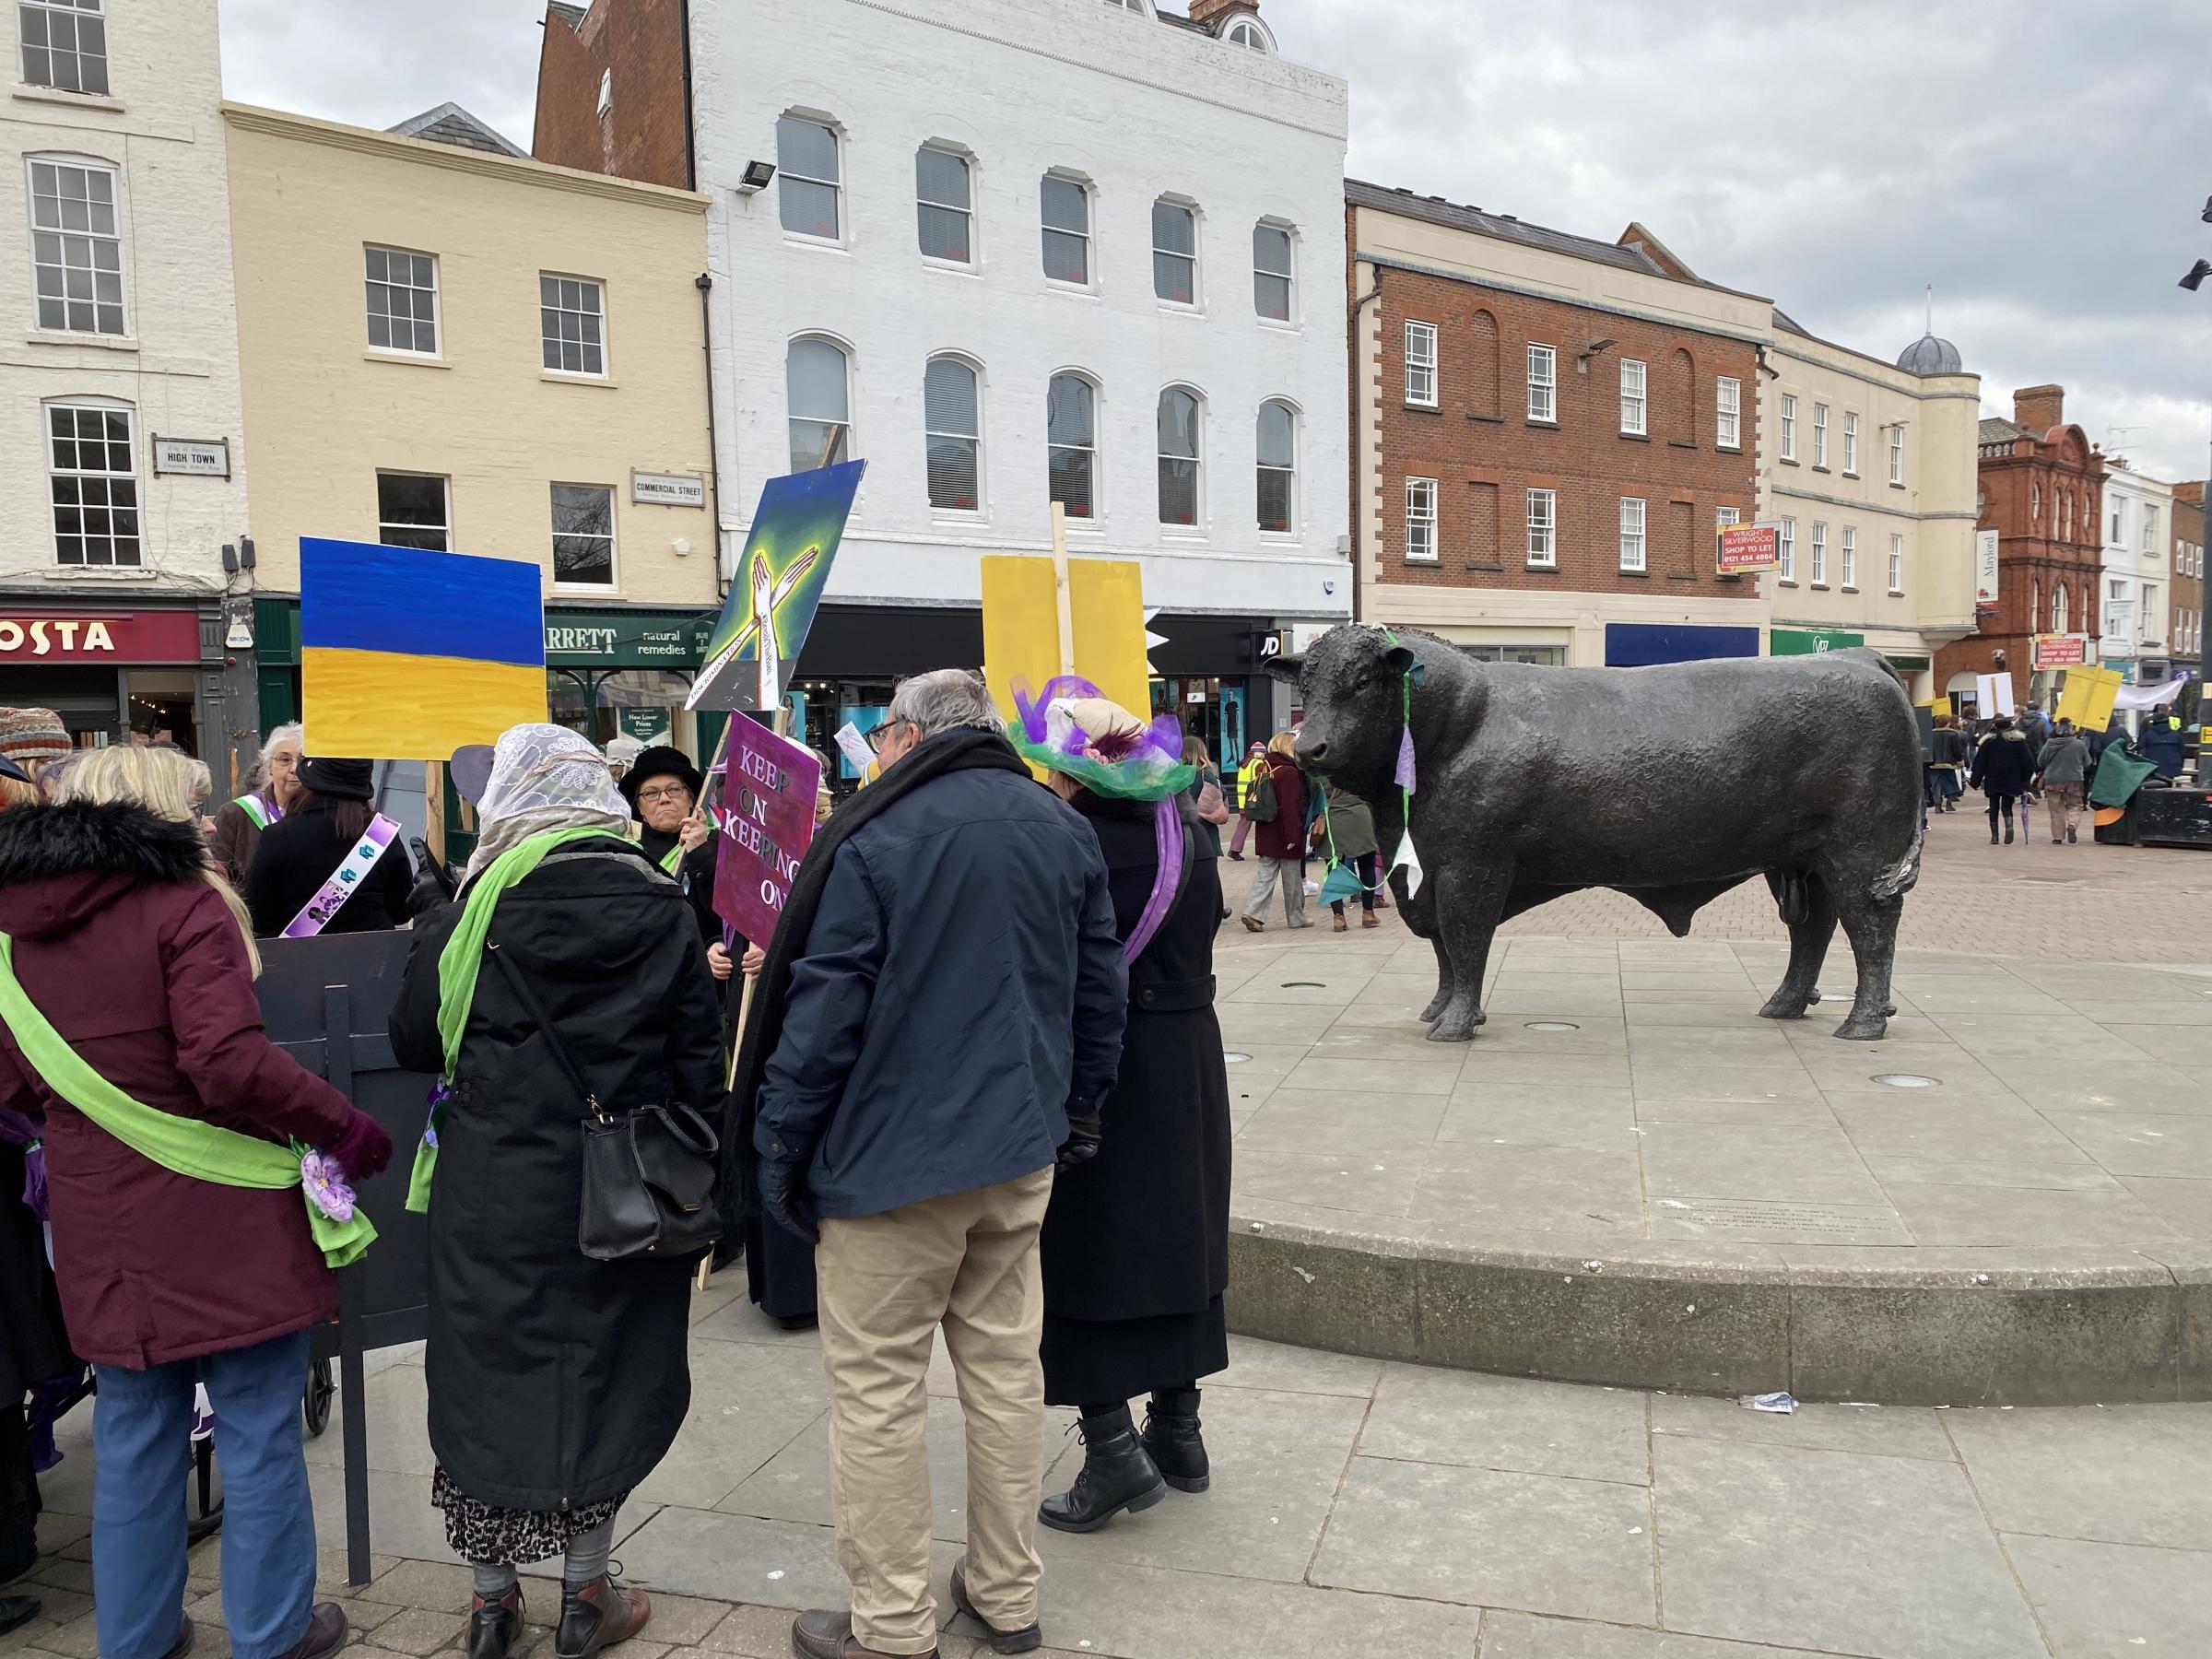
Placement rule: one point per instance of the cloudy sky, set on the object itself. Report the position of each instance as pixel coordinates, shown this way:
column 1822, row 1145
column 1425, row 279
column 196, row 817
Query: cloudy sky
column 2042, row 163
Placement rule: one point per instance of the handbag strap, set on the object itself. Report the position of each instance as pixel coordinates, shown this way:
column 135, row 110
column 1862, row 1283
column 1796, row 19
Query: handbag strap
column 536, row 1010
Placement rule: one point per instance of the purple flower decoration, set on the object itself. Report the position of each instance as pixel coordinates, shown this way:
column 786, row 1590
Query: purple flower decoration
column 326, row 1182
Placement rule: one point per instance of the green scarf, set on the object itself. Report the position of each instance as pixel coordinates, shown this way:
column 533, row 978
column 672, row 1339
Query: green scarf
column 671, row 859
column 458, row 965
column 190, row 1147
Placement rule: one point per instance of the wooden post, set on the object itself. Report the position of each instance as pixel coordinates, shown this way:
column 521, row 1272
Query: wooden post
column 434, row 808
column 1062, row 592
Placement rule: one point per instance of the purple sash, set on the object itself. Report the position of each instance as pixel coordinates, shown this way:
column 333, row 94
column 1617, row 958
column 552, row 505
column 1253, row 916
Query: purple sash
column 345, row 880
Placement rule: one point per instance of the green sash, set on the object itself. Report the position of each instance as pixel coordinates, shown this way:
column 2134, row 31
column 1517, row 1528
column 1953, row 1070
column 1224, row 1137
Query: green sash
column 671, row 858
column 252, row 806
column 458, row 965
column 188, row 1145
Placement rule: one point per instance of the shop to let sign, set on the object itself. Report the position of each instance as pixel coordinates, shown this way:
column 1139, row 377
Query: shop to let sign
column 2061, row 651
column 767, row 819
column 1748, row 547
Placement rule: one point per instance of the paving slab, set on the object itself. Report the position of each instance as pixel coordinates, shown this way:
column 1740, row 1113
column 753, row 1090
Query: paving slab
column 2116, row 1601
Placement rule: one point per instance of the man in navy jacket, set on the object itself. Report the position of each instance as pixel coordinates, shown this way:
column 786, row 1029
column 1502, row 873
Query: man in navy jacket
column 949, row 1028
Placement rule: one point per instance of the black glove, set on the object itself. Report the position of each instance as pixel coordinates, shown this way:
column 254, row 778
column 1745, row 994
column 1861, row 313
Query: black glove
column 783, row 1197
column 434, row 883
column 1082, row 1143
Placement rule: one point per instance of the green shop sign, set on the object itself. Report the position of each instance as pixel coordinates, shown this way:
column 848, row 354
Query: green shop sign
column 1806, row 642
column 625, row 638
column 649, row 727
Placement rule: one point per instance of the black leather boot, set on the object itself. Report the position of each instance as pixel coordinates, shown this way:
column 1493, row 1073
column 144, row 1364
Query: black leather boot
column 1171, row 1440
column 494, row 1625
column 16, row 1611
column 1116, row 1475
column 599, row 1616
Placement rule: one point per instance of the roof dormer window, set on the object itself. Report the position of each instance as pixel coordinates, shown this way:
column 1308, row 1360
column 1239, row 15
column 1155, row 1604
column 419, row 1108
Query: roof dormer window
column 1246, row 33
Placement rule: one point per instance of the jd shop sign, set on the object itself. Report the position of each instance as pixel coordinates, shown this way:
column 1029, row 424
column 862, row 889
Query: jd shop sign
column 626, row 639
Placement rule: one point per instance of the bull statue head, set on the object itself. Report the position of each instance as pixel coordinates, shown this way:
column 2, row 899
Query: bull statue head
column 1352, row 682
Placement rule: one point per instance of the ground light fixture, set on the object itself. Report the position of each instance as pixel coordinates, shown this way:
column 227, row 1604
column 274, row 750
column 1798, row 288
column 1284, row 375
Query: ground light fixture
column 756, row 177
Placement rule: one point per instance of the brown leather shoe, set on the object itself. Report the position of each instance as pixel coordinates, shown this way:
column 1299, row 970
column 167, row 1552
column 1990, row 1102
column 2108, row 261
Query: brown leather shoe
column 325, row 1633
column 599, row 1616
column 1029, row 1636
column 186, row 1636
column 821, row 1635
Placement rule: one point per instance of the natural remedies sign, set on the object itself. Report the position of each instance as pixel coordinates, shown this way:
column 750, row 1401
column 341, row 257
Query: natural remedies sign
column 769, row 789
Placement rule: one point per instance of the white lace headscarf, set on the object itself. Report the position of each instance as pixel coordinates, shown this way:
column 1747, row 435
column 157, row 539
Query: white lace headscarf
column 544, row 777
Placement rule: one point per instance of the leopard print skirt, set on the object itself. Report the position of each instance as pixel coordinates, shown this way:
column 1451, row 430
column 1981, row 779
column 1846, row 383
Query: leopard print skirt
column 484, row 1535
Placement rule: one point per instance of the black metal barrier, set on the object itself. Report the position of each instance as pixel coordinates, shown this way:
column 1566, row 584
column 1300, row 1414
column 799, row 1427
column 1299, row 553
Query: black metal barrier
column 326, row 1002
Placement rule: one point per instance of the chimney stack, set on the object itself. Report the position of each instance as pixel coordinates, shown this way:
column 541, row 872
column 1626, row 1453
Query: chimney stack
column 1206, row 11
column 2039, row 408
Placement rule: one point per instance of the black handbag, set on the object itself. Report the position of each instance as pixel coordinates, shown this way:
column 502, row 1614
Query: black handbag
column 649, row 1173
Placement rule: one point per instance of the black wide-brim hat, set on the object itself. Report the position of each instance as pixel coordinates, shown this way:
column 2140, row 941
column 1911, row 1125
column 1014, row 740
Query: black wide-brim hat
column 340, row 780
column 659, row 761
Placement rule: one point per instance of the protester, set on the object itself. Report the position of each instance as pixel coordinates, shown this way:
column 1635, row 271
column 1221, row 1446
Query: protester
column 663, row 787
column 302, row 858
column 137, row 962
column 1204, row 775
column 938, row 1019
column 34, row 1350
column 2062, row 769
column 567, row 975
column 621, row 755
column 238, row 823
column 33, row 739
column 1255, row 758
column 1280, row 843
column 1136, row 1309
column 2161, row 741
column 2004, row 766
column 1947, row 750
column 1346, row 832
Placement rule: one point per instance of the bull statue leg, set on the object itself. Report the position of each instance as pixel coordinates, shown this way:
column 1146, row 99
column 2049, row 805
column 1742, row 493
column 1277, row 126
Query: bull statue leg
column 1811, row 916
column 1870, row 924
column 1469, row 904
column 1419, row 913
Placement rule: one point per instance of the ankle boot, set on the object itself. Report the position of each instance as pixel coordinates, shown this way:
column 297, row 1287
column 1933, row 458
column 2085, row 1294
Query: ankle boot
column 597, row 1615
column 1116, row 1475
column 1171, row 1440
column 494, row 1625
column 2008, row 834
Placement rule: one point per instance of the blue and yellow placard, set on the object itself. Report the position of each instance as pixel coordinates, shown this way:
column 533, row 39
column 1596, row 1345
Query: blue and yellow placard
column 406, row 654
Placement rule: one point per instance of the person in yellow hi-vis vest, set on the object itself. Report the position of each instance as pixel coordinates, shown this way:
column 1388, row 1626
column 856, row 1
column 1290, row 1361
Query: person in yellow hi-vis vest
column 1254, row 758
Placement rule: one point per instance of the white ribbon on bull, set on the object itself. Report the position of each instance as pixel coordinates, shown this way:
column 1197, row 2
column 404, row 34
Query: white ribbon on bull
column 1407, row 857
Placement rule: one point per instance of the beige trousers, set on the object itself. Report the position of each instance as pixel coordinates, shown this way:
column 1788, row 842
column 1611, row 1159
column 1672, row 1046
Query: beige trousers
column 885, row 1283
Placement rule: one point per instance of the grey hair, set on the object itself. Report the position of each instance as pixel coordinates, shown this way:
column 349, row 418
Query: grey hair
column 290, row 731
column 945, row 699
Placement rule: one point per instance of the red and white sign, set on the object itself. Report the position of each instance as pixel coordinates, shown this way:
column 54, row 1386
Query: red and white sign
column 2061, row 651
column 100, row 637
column 1750, row 548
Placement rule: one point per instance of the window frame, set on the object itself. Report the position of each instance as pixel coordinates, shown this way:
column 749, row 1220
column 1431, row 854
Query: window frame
column 1548, row 525
column 1095, row 514
column 1785, row 550
column 1289, row 472
column 1847, row 559
column 1851, row 444
column 1642, row 565
column 613, row 584
column 1817, row 568
column 1421, row 517
column 931, row 435
column 1196, row 524
column 75, row 14
column 924, row 206
column 108, row 478
column 1727, row 412
column 605, row 366
column 1189, row 210
column 436, row 291
column 1422, row 393
column 1548, row 383
column 1088, row 236
column 1635, row 406
column 445, row 502
column 1896, row 454
column 1897, row 563
column 1821, row 435
column 1787, row 448
column 836, row 187
column 1287, row 277
column 843, row 447
column 1247, row 27
column 1724, row 518
column 90, row 167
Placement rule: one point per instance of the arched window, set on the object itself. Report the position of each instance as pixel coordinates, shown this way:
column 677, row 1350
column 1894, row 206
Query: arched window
column 2058, row 608
column 2065, row 505
column 1064, row 207
column 1179, row 458
column 1271, row 271
column 2035, row 503
column 818, row 396
column 1175, row 252
column 1680, row 419
column 809, row 179
column 1277, row 466
column 1246, row 33
column 1482, row 365
column 944, row 205
column 2035, row 602
column 951, row 422
column 1071, row 435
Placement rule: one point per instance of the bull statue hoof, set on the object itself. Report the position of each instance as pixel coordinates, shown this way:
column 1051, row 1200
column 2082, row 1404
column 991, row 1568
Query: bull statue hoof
column 1436, row 1008
column 1862, row 1028
column 1786, row 1004
column 1457, row 1022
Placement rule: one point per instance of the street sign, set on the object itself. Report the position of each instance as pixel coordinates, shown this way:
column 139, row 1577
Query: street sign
column 1748, row 547
column 196, row 457
column 1986, row 570
column 667, row 489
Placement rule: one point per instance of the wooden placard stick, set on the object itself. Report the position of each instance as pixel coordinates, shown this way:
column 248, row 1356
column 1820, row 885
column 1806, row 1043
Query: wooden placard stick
column 1063, row 595
column 433, row 805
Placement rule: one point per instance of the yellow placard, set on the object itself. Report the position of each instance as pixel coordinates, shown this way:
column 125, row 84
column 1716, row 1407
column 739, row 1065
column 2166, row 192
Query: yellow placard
column 1021, row 627
column 2087, row 696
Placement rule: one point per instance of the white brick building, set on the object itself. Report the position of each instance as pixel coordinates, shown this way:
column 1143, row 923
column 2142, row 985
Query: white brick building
column 2137, row 579
column 122, row 467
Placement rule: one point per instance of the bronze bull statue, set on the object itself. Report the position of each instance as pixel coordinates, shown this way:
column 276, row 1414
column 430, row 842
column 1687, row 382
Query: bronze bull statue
column 1671, row 784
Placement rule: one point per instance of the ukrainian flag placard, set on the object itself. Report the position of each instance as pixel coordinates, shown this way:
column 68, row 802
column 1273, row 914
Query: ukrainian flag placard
column 408, row 656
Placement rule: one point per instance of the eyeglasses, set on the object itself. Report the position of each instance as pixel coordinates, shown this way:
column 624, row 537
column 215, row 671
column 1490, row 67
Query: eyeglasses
column 675, row 791
column 881, row 734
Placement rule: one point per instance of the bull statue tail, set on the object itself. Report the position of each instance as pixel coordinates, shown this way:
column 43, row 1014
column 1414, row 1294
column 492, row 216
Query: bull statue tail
column 1898, row 879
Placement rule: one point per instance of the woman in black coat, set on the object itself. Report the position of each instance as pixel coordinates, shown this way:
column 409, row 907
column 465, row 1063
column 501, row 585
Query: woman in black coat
column 2004, row 766
column 557, row 1382
column 1135, row 1244
column 303, row 850
column 33, row 1349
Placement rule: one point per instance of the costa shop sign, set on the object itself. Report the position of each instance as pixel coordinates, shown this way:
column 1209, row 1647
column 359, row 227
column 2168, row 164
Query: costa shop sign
column 105, row 637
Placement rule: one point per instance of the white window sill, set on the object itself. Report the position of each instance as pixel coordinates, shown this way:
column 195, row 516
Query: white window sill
column 821, row 243
column 558, row 378
column 959, row 516
column 62, row 336
column 952, row 268
column 1074, row 290
column 414, row 359
column 1181, row 308
column 1280, row 538
column 1634, row 570
column 1191, row 534
column 1281, row 324
column 1422, row 403
column 1543, row 564
column 75, row 101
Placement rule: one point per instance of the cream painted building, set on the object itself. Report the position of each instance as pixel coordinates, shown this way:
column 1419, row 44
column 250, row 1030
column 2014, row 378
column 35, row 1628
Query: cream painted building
column 446, row 344
column 1869, row 467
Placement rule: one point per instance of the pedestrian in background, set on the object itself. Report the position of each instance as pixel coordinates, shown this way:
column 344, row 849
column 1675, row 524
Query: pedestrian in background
column 238, row 823
column 1133, row 1306
column 1206, row 800
column 2062, row 769
column 1948, row 749
column 1277, row 805
column 2004, row 766
column 301, row 854
column 1255, row 758
column 556, row 1381
column 137, row 959
column 938, row 1019
column 1347, row 834
column 622, row 753
column 2160, row 741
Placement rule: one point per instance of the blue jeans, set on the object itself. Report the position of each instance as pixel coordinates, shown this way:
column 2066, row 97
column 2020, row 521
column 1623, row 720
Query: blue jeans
column 142, row 1447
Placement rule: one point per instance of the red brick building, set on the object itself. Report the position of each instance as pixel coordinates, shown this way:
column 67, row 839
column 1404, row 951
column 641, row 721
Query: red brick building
column 2187, row 635
column 609, row 77
column 1547, row 431
column 2042, row 492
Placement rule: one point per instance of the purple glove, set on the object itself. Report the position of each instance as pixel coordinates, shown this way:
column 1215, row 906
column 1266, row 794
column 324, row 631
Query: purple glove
column 362, row 1149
